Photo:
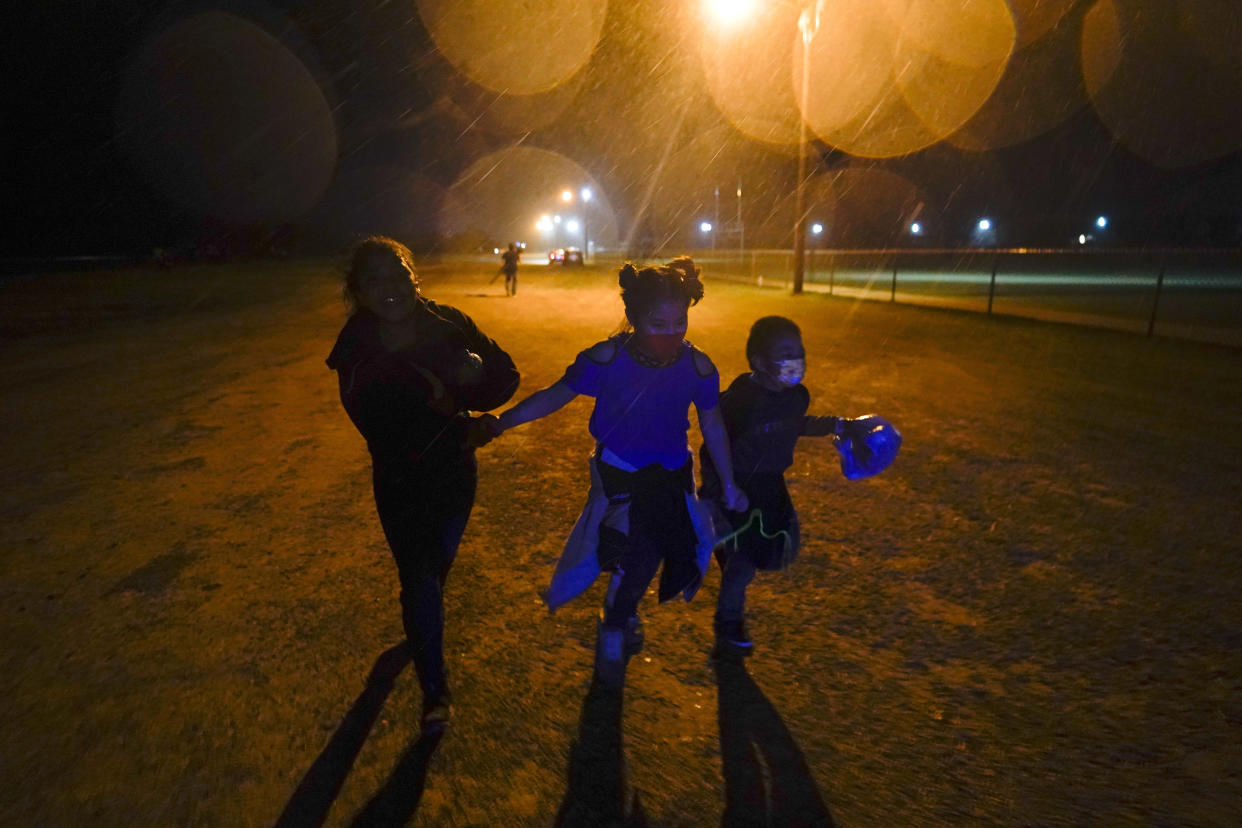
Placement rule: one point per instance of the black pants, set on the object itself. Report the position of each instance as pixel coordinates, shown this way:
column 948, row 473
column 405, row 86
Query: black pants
column 424, row 511
column 660, row 532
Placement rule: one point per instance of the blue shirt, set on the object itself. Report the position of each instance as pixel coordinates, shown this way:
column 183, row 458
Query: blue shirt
column 641, row 413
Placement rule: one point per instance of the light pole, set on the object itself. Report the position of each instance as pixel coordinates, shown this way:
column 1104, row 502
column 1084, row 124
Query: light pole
column 741, row 228
column 808, row 25
column 716, row 217
column 585, row 193
column 731, row 13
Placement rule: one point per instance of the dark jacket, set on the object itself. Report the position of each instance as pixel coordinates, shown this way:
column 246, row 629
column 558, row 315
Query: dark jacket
column 763, row 426
column 391, row 402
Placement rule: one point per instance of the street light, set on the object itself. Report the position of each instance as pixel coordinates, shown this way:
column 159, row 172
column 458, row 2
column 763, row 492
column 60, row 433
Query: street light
column 916, row 229
column 730, row 12
column 705, row 227
column 585, row 193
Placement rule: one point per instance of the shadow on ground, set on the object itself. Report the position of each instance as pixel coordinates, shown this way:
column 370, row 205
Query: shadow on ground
column 767, row 780
column 396, row 802
column 597, row 793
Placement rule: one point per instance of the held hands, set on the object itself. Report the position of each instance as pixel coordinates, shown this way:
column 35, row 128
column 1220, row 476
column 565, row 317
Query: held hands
column 734, row 498
column 482, row 430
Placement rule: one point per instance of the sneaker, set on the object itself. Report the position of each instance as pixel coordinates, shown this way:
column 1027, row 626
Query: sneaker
column 733, row 635
column 610, row 656
column 634, row 636
column 437, row 710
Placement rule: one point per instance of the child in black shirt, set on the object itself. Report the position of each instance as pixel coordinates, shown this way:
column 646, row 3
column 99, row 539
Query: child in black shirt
column 764, row 413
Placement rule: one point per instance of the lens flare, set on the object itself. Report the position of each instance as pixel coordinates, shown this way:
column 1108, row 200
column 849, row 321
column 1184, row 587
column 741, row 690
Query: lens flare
column 1041, row 88
column 506, row 193
column 503, row 114
column 1037, row 18
column 892, row 77
column 1166, row 79
column 221, row 117
column 747, row 73
column 515, row 46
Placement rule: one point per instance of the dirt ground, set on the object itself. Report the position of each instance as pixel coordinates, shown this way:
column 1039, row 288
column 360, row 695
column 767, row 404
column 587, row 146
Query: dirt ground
column 1030, row 619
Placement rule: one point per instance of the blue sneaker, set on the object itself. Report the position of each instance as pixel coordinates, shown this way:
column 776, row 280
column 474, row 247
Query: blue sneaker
column 732, row 636
column 610, row 656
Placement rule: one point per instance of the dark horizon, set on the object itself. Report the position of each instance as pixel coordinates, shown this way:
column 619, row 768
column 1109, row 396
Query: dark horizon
column 398, row 108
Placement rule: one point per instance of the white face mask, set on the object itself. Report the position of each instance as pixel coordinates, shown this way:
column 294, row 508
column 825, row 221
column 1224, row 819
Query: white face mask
column 790, row 371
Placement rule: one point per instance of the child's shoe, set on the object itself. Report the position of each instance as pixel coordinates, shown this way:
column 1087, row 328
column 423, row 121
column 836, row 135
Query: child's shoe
column 610, row 656
column 634, row 636
column 731, row 636
column 437, row 710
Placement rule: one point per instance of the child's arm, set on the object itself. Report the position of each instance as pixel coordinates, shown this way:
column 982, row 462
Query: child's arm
column 716, row 438
column 539, row 404
column 821, row 426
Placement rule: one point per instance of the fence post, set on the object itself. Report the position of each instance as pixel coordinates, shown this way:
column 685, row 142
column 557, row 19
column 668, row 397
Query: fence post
column 992, row 286
column 832, row 273
column 1151, row 323
column 892, row 297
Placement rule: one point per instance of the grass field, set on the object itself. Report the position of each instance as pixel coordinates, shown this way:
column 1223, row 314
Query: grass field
column 1030, row 619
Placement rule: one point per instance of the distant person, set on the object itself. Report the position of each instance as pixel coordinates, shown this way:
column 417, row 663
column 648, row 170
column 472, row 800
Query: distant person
column 409, row 369
column 509, row 265
column 641, row 509
column 764, row 413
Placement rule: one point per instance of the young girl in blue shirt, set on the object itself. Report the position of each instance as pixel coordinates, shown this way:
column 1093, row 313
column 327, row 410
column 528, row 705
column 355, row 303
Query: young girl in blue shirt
column 641, row 511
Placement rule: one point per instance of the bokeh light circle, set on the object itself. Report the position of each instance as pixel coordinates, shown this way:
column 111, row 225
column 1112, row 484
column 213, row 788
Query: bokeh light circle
column 746, row 67
column 221, row 117
column 892, row 77
column 1166, row 79
column 502, row 114
column 1037, row 18
column 503, row 194
column 514, row 46
column 699, row 178
column 1042, row 87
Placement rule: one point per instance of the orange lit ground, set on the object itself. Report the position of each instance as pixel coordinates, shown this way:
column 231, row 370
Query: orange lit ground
column 1032, row 619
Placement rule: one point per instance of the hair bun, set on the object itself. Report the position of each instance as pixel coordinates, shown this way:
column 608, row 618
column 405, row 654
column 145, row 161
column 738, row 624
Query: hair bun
column 686, row 266
column 628, row 277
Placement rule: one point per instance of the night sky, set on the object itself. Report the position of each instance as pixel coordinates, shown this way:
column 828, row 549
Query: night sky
column 134, row 125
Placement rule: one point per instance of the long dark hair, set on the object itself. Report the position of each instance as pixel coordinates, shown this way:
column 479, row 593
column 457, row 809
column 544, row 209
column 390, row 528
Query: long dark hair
column 644, row 288
column 367, row 251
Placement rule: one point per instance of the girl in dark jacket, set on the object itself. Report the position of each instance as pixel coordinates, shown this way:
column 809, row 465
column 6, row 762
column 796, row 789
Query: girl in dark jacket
column 409, row 371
